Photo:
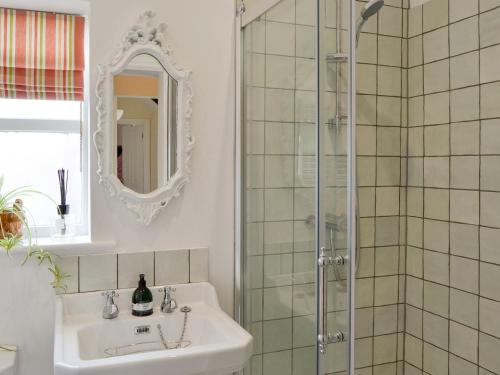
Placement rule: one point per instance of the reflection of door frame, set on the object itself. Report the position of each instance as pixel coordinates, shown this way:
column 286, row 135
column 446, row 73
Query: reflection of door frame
column 163, row 129
column 145, row 123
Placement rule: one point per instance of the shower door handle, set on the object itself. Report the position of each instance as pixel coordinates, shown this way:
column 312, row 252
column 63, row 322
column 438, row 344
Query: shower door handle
column 324, row 337
column 323, row 262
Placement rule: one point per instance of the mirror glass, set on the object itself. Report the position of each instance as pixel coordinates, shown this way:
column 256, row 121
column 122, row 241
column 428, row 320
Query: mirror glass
column 145, row 126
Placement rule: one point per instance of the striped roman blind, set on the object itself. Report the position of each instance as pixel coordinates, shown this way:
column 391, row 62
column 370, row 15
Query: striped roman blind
column 41, row 55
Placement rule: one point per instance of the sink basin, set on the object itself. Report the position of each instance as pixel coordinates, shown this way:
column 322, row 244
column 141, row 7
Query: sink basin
column 87, row 344
column 8, row 360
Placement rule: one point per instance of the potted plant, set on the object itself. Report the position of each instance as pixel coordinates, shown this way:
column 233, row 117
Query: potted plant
column 15, row 230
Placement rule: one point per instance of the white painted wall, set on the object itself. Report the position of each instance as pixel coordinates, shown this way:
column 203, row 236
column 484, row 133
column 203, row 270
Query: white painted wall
column 201, row 34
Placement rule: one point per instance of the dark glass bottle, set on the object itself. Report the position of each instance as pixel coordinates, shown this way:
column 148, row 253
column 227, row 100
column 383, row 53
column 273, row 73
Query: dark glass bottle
column 142, row 299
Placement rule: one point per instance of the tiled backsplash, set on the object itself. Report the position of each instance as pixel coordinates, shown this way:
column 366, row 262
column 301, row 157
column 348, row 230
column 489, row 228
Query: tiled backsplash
column 121, row 271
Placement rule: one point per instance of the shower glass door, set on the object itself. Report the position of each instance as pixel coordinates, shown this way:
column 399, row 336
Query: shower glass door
column 333, row 182
column 296, row 222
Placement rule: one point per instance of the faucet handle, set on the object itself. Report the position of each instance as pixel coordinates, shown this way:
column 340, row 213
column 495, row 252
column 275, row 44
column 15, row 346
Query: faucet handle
column 167, row 289
column 169, row 304
column 110, row 310
column 110, row 293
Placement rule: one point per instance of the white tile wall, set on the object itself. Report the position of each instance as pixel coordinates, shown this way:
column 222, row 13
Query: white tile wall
column 121, row 271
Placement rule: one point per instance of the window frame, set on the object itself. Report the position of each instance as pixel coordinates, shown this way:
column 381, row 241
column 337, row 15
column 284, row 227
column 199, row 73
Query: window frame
column 20, row 125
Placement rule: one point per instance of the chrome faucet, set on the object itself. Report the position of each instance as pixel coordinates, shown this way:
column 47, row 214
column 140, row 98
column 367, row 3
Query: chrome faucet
column 110, row 310
column 169, row 304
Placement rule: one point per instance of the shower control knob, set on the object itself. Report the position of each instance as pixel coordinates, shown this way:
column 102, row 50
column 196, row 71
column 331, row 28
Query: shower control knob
column 339, row 260
column 334, row 338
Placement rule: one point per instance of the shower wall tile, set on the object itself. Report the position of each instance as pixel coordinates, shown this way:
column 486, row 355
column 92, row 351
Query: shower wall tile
column 489, row 274
column 304, row 41
column 280, row 38
column 436, row 140
column 464, row 36
column 465, row 138
column 464, row 104
column 452, row 259
column 489, row 347
column 490, row 136
column 436, row 236
column 280, row 72
column 415, row 81
column 464, row 307
column 435, row 14
column 490, row 208
column 436, row 76
column 485, row 5
column 464, row 70
column 415, row 21
column 490, row 173
column 435, row 360
column 464, row 240
column 489, row 105
column 460, row 9
column 435, row 330
column 460, row 366
column 489, row 24
column 279, row 105
column 436, row 204
column 489, row 69
column 436, row 172
column 389, row 111
column 389, row 81
column 389, row 50
column 390, row 21
column 436, row 44
column 490, row 238
column 305, row 12
column 436, row 298
column 368, row 49
column 464, row 274
column 488, row 316
column 464, row 172
column 437, row 108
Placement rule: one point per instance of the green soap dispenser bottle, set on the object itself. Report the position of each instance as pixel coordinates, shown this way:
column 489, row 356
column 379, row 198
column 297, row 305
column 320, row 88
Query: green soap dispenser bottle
column 142, row 299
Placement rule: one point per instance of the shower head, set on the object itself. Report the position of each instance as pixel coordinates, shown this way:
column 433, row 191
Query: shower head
column 371, row 8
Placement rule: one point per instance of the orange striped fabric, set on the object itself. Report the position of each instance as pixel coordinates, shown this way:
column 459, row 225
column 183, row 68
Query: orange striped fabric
column 41, row 55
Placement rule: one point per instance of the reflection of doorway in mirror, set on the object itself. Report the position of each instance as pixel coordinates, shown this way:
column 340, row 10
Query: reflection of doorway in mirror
column 145, row 109
column 133, row 165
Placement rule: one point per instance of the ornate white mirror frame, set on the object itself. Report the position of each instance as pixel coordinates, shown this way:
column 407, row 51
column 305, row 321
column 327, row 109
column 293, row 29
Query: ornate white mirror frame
column 146, row 37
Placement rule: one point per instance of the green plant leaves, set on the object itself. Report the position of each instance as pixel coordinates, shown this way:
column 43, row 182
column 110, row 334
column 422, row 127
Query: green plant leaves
column 11, row 241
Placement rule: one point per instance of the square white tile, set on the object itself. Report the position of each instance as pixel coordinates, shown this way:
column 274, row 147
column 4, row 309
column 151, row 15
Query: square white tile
column 98, row 272
column 130, row 266
column 171, row 267
column 198, row 265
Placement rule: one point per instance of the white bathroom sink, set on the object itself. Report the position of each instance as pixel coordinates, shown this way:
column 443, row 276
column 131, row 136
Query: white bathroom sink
column 8, row 360
column 87, row 344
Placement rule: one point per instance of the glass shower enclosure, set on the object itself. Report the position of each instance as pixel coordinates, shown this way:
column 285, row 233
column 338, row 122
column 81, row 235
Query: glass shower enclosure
column 298, row 257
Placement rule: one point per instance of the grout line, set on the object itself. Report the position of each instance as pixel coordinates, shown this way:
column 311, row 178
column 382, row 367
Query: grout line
column 449, row 190
column 423, row 196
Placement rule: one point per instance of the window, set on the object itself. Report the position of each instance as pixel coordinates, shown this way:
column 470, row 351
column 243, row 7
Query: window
column 41, row 93
column 36, row 139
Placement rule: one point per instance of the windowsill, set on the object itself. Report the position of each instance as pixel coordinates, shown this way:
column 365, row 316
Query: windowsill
column 69, row 246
